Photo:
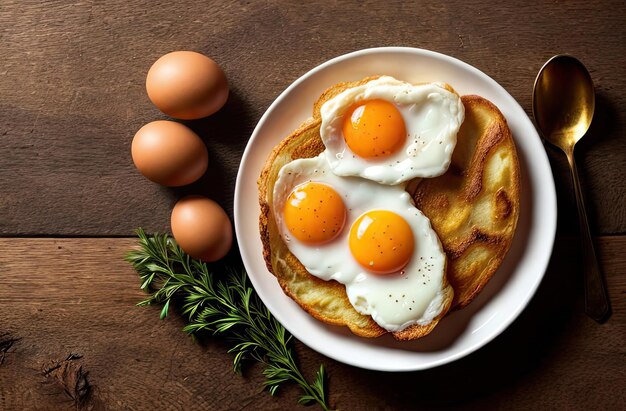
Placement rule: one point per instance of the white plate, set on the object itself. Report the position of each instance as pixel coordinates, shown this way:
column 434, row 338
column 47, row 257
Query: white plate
column 513, row 284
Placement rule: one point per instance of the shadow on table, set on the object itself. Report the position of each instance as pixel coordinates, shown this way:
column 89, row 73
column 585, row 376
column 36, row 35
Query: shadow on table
column 226, row 134
column 602, row 134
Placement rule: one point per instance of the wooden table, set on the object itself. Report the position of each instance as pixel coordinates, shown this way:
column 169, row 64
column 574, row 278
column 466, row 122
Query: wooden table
column 72, row 96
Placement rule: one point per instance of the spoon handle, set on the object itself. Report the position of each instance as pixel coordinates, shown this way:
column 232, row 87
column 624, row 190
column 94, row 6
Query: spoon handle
column 596, row 299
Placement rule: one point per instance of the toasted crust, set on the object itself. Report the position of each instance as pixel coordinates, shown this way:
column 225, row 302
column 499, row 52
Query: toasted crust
column 474, row 206
column 327, row 300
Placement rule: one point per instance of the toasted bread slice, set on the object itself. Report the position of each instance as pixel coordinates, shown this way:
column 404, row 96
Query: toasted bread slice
column 324, row 300
column 474, row 206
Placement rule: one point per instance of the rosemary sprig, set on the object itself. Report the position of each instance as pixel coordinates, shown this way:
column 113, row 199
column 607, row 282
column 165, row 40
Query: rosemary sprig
column 227, row 306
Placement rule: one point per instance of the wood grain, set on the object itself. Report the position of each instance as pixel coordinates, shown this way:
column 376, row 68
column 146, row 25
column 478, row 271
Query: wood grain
column 72, row 96
column 62, row 296
column 72, row 91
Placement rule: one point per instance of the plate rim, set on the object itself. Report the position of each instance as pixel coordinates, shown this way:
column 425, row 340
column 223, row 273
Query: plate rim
column 513, row 315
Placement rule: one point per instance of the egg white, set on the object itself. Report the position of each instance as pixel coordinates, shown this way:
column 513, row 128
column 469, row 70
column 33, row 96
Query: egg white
column 432, row 116
column 396, row 301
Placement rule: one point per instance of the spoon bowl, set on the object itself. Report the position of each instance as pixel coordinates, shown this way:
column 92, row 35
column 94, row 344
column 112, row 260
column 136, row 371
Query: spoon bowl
column 563, row 106
column 563, row 101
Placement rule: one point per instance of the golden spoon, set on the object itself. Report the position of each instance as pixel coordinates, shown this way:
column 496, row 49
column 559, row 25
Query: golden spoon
column 563, row 105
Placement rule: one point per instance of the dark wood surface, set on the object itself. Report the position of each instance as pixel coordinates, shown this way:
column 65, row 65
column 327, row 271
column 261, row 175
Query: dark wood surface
column 73, row 91
column 72, row 96
column 62, row 296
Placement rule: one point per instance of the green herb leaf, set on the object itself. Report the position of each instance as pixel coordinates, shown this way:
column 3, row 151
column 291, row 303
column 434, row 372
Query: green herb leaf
column 166, row 306
column 227, row 307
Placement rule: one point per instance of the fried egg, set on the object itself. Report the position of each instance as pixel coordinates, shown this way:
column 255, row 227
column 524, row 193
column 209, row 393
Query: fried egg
column 367, row 236
column 390, row 131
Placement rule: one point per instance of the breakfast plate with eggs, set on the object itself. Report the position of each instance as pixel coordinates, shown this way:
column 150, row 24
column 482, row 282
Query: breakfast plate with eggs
column 406, row 209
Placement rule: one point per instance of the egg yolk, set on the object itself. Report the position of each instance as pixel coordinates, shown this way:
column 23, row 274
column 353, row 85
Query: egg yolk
column 374, row 128
column 381, row 241
column 314, row 213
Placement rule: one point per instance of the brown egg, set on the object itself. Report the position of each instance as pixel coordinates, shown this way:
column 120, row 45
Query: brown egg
column 187, row 85
column 169, row 153
column 202, row 228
